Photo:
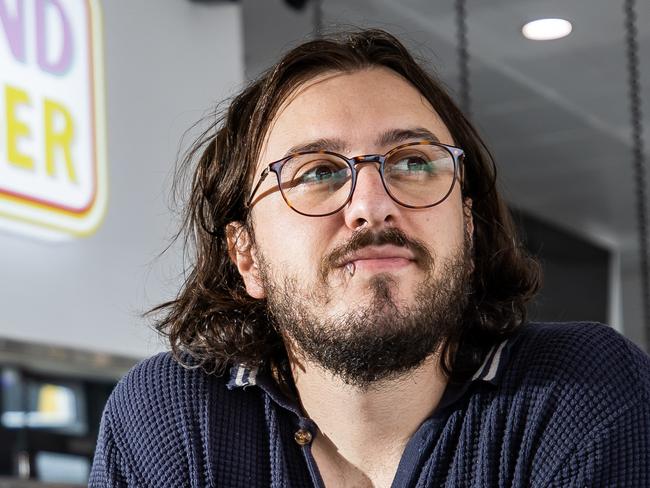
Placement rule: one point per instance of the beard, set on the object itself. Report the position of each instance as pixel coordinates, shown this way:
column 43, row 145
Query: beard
column 382, row 339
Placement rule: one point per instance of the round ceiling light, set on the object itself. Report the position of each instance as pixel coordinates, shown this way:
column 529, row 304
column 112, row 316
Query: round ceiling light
column 546, row 29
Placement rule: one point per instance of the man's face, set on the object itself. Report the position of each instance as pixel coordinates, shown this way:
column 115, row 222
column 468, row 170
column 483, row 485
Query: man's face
column 375, row 272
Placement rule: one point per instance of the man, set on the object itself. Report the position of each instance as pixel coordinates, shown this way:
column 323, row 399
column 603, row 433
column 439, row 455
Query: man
column 355, row 311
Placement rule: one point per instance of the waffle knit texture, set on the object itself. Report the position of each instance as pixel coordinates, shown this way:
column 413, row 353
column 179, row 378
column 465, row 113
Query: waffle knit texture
column 557, row 405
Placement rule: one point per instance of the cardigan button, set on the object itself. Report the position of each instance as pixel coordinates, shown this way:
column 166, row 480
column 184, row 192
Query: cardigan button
column 302, row 436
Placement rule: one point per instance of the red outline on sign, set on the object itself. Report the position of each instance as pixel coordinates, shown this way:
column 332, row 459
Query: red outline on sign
column 31, row 201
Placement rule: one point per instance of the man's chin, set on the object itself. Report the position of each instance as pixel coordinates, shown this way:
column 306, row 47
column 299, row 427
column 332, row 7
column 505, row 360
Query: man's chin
column 379, row 292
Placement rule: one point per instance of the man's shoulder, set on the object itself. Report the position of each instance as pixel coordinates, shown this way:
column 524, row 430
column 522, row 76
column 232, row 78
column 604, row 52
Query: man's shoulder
column 163, row 413
column 581, row 358
column 578, row 344
column 159, row 389
column 570, row 391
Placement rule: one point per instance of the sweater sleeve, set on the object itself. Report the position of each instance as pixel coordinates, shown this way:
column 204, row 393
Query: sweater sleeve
column 617, row 453
column 109, row 469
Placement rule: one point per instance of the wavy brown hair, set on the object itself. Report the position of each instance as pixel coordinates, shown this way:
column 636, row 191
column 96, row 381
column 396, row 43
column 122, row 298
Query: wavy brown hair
column 217, row 323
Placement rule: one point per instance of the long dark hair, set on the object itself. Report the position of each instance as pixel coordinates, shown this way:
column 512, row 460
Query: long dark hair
column 214, row 320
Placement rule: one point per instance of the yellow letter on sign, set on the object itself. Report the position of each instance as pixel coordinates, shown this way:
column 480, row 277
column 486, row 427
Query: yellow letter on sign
column 15, row 127
column 62, row 137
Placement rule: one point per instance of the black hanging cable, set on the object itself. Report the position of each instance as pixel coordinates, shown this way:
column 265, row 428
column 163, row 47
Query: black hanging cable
column 634, row 87
column 463, row 56
column 318, row 18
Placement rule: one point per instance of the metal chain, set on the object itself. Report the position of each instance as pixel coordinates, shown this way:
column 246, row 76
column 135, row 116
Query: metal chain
column 463, row 56
column 634, row 87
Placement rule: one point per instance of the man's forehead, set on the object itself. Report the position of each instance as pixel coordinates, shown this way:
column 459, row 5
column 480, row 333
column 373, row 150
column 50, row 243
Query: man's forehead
column 339, row 111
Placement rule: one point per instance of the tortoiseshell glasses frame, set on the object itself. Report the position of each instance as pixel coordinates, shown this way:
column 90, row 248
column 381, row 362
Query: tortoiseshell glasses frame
column 456, row 154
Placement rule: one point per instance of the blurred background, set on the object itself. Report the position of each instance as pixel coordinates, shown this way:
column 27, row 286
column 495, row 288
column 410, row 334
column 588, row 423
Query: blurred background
column 95, row 97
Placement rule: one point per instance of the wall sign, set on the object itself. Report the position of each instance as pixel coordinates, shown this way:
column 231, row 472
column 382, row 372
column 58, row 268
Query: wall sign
column 52, row 117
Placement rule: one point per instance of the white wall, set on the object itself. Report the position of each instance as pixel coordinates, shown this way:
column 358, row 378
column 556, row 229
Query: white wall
column 166, row 61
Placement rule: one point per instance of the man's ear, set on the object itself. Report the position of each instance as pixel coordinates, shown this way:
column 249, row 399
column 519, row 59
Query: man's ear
column 242, row 254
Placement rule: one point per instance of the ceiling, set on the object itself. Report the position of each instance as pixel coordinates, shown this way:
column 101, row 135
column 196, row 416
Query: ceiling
column 555, row 113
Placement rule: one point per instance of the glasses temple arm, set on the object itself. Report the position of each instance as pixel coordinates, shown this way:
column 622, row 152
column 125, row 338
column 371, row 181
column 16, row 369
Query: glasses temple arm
column 263, row 176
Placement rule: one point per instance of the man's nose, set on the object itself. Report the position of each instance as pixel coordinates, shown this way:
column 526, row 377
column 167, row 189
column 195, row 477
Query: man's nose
column 370, row 204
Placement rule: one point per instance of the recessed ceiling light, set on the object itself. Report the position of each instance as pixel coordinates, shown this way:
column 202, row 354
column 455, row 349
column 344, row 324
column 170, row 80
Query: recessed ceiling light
column 546, row 29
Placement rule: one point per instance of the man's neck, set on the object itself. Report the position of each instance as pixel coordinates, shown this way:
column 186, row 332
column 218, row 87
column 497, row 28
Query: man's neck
column 363, row 432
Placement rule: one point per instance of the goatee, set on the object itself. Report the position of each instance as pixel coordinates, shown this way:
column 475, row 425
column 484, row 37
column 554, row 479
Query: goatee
column 382, row 339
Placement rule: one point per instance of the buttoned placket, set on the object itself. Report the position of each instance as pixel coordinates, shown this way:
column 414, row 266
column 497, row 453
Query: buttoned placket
column 305, row 429
column 415, row 453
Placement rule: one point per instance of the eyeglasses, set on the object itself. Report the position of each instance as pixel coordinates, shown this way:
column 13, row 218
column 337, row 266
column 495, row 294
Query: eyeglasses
column 320, row 183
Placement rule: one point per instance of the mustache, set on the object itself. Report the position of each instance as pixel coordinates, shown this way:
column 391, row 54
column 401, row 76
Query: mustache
column 366, row 238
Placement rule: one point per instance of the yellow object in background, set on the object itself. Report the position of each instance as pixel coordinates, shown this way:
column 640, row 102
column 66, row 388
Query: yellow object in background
column 49, row 399
column 55, row 405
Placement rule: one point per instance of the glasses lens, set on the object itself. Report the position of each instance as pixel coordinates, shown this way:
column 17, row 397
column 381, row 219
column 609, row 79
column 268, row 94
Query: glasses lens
column 316, row 183
column 419, row 175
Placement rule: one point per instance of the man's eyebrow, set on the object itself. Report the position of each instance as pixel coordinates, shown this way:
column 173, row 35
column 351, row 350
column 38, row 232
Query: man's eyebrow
column 393, row 136
column 323, row 144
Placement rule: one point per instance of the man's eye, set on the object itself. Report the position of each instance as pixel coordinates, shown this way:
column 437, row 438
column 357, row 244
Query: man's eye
column 413, row 164
column 319, row 173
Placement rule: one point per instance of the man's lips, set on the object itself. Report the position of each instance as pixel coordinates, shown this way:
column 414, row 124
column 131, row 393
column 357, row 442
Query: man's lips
column 381, row 258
